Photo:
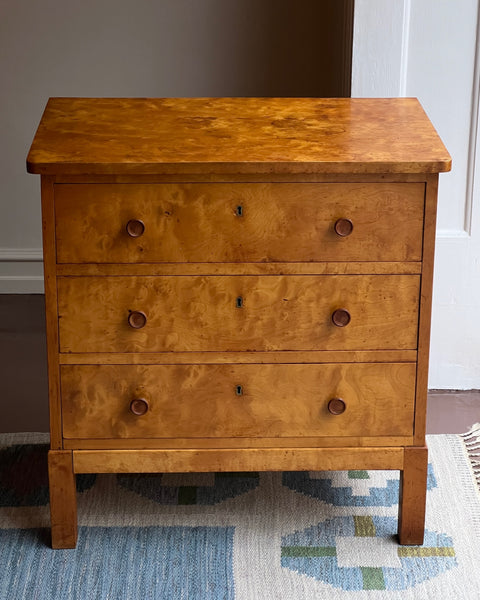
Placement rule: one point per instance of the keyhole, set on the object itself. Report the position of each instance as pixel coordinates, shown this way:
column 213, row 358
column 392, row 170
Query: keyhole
column 239, row 390
column 239, row 211
column 239, row 302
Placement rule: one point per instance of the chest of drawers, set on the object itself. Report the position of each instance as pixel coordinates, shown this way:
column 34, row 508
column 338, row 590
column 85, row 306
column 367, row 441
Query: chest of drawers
column 237, row 284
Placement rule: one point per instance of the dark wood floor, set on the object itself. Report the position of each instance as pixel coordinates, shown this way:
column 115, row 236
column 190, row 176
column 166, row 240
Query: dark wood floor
column 452, row 411
column 23, row 375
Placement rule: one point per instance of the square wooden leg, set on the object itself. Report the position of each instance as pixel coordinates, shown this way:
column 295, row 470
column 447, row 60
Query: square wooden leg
column 63, row 499
column 413, row 496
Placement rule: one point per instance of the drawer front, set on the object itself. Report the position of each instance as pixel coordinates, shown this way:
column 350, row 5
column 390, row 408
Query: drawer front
column 238, row 313
column 237, row 400
column 238, row 222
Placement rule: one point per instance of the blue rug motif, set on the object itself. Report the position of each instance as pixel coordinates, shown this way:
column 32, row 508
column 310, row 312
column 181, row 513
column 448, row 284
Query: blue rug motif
column 361, row 553
column 351, row 488
column 148, row 563
column 217, row 487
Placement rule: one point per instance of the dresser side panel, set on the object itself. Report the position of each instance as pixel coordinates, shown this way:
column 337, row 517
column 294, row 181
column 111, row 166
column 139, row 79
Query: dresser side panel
column 49, row 266
column 425, row 313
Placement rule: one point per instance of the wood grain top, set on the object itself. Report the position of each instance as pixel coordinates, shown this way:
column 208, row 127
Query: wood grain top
column 235, row 135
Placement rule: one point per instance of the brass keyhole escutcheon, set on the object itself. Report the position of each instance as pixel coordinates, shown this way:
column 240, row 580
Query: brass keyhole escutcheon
column 239, row 211
column 239, row 390
column 239, row 302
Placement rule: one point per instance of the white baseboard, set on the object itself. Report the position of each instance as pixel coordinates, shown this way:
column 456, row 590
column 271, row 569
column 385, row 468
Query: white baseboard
column 21, row 271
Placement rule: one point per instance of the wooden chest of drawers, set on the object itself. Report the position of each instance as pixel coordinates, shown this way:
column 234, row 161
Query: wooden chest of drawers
column 237, row 284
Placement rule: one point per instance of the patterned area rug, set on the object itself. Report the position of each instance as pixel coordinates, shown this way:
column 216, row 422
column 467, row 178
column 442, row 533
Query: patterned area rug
column 240, row 536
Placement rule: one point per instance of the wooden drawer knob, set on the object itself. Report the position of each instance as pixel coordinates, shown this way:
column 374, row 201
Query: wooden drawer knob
column 135, row 228
column 341, row 317
column 139, row 406
column 343, row 227
column 336, row 406
column 137, row 319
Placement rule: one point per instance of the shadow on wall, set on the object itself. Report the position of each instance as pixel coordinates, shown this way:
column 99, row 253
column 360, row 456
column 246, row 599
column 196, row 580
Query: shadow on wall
column 293, row 49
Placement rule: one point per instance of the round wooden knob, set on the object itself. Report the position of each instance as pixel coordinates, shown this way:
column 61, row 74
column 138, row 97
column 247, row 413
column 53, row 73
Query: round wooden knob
column 139, row 406
column 343, row 227
column 341, row 317
column 135, row 228
column 137, row 319
column 336, row 406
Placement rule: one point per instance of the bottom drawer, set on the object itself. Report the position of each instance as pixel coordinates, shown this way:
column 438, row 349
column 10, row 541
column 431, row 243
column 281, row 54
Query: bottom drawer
column 241, row 400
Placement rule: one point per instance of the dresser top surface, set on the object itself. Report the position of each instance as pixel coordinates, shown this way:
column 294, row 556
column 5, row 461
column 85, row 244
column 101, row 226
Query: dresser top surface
column 235, row 135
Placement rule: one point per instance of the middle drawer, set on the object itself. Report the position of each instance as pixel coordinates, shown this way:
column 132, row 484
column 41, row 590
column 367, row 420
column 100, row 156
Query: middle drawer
column 238, row 313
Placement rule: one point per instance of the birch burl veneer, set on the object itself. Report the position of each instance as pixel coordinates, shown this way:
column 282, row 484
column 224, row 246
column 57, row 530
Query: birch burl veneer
column 237, row 284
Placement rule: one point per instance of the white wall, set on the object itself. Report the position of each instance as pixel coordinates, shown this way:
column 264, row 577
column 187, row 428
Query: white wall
column 142, row 48
column 428, row 49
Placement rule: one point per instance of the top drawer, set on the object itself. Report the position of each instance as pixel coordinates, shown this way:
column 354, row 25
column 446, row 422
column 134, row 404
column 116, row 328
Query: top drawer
column 234, row 222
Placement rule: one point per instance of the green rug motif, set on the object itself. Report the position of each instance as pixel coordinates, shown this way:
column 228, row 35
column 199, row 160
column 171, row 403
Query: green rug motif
column 240, row 536
column 361, row 553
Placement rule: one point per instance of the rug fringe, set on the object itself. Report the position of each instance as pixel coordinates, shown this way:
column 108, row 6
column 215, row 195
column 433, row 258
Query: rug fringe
column 471, row 441
column 473, row 432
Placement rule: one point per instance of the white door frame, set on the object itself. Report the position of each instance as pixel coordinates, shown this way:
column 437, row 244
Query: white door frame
column 391, row 45
column 380, row 48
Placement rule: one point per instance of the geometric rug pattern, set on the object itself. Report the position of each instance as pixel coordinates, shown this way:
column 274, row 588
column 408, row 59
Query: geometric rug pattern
column 239, row 536
column 361, row 553
column 351, row 488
